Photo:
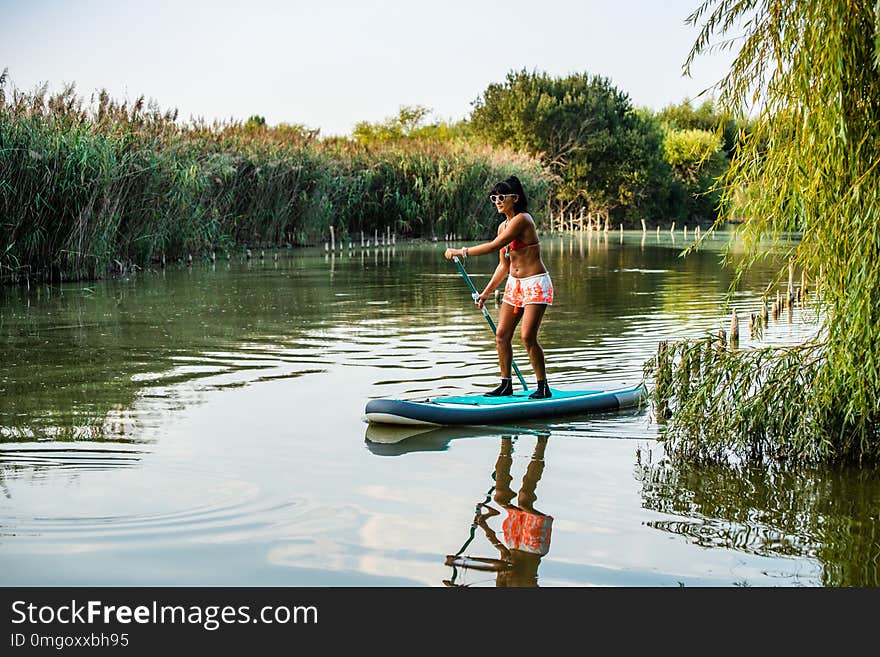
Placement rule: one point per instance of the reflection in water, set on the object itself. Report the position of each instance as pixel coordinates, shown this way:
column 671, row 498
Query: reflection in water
column 525, row 529
column 823, row 513
column 396, row 440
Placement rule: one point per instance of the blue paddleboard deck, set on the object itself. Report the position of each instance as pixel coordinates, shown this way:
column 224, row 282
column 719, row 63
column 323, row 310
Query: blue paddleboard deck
column 479, row 409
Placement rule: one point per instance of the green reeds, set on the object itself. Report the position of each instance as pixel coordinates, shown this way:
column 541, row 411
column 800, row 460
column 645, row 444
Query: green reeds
column 750, row 406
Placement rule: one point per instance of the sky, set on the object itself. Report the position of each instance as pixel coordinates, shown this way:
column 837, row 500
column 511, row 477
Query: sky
column 330, row 64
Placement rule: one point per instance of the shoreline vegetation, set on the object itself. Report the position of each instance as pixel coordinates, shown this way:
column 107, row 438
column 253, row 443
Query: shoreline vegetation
column 84, row 191
column 808, row 166
column 89, row 189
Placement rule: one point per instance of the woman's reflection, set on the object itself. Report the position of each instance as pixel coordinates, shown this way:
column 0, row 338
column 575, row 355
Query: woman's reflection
column 525, row 529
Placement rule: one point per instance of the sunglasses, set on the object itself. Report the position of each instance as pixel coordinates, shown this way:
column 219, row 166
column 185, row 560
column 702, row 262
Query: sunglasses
column 495, row 198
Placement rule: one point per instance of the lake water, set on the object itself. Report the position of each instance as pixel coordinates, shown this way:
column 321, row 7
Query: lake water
column 204, row 425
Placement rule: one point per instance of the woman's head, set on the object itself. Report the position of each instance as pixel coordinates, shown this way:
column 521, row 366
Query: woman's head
column 512, row 185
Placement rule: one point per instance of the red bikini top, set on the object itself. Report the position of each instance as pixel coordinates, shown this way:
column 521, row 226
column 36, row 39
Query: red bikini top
column 516, row 245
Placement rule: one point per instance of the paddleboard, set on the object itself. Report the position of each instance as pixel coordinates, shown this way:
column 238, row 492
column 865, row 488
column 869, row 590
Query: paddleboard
column 481, row 410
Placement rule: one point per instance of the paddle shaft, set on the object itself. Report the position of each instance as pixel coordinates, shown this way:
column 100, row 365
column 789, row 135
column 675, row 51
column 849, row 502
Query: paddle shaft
column 476, row 295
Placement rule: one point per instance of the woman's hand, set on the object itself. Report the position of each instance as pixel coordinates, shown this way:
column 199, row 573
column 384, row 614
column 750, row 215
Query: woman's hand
column 480, row 301
column 450, row 253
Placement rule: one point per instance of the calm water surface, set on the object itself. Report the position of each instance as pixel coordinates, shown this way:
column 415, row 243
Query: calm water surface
column 203, row 426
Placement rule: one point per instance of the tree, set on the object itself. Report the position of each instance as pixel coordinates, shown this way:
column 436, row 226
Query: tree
column 606, row 154
column 255, row 123
column 410, row 123
column 707, row 117
column 697, row 161
column 809, row 71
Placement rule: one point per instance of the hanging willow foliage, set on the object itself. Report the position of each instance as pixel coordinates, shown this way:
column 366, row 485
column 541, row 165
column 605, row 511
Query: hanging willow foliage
column 809, row 72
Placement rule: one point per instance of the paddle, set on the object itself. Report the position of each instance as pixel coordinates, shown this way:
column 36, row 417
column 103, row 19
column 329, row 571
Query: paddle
column 476, row 295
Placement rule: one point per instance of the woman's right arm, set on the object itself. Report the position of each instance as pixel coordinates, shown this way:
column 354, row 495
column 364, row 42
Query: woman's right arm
column 498, row 277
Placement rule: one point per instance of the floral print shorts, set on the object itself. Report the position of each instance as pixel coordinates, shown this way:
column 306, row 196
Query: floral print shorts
column 520, row 292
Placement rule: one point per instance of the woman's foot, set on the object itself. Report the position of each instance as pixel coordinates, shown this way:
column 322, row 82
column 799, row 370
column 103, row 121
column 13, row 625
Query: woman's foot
column 503, row 390
column 543, row 391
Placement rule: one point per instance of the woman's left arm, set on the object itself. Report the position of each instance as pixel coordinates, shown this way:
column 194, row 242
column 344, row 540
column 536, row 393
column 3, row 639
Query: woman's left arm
column 514, row 227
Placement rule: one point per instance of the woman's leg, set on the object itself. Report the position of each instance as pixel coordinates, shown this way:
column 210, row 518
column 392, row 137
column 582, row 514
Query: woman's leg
column 527, row 496
column 507, row 321
column 532, row 316
column 503, row 492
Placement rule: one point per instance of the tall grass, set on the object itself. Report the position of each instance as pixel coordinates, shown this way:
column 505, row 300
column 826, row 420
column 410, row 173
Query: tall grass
column 89, row 187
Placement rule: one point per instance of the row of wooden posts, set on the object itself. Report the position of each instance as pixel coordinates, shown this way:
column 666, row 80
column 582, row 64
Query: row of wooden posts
column 666, row 372
column 589, row 221
column 599, row 221
column 379, row 239
column 759, row 319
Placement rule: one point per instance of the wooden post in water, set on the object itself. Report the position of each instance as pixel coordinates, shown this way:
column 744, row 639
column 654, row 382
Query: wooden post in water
column 734, row 327
column 332, row 239
column 644, row 228
column 685, row 231
column 672, row 228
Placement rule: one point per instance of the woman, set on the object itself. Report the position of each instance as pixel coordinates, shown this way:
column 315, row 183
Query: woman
column 529, row 289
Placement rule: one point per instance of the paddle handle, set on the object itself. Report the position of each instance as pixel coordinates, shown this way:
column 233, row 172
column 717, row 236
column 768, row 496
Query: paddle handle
column 476, row 296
